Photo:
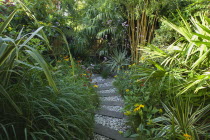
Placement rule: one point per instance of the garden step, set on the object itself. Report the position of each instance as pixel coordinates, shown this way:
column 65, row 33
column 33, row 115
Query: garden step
column 109, row 113
column 95, row 76
column 113, row 91
column 108, row 132
column 108, row 94
column 105, row 81
column 112, row 103
column 106, row 87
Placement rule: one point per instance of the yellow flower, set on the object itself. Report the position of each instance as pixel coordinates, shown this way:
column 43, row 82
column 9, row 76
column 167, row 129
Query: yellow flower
column 120, row 132
column 84, row 74
column 138, row 107
column 127, row 113
column 115, row 76
column 66, row 59
column 187, row 136
column 127, row 90
column 129, row 66
column 141, row 106
column 96, row 86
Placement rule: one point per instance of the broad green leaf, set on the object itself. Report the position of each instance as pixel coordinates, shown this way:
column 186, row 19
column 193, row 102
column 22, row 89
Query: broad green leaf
column 35, row 54
column 32, row 35
column 159, row 67
column 201, row 59
column 195, row 82
column 202, row 36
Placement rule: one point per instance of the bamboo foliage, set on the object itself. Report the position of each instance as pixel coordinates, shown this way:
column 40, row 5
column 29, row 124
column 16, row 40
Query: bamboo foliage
column 142, row 18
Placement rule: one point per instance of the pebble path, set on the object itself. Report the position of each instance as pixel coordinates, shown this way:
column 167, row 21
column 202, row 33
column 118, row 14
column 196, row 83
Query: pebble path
column 109, row 120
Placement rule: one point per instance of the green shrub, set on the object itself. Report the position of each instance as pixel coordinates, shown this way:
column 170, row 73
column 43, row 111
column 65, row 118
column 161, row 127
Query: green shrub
column 39, row 101
column 181, row 70
column 67, row 115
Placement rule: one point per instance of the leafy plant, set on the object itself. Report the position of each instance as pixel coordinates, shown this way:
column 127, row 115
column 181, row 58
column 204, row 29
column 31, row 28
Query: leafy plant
column 177, row 70
column 181, row 118
column 117, row 60
column 40, row 101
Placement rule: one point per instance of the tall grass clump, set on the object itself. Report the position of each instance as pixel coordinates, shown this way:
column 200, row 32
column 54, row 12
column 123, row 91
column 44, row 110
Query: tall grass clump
column 38, row 100
column 67, row 115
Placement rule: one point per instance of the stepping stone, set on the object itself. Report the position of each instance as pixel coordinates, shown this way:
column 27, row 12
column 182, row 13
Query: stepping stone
column 106, row 88
column 108, row 94
column 95, row 76
column 109, row 113
column 111, row 98
column 108, row 132
column 105, row 85
column 105, row 81
column 107, row 91
column 112, row 103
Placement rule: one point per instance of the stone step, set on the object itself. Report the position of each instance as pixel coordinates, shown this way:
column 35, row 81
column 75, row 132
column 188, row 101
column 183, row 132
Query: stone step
column 105, row 81
column 106, row 88
column 112, row 103
column 105, row 85
column 108, row 132
column 107, row 91
column 108, row 94
column 109, row 113
column 95, row 75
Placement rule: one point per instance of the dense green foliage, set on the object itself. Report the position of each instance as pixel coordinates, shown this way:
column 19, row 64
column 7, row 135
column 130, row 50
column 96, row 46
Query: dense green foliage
column 41, row 98
column 159, row 50
column 167, row 94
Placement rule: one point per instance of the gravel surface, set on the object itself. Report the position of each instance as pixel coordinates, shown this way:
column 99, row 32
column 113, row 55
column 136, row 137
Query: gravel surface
column 105, row 85
column 113, row 123
column 112, row 108
column 113, row 98
column 95, row 81
column 112, row 90
column 98, row 79
column 99, row 137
